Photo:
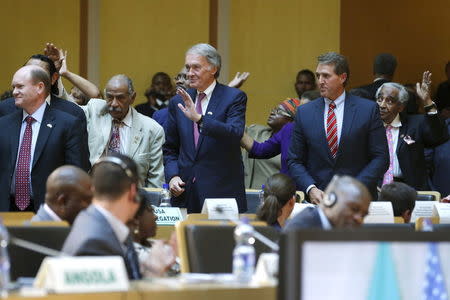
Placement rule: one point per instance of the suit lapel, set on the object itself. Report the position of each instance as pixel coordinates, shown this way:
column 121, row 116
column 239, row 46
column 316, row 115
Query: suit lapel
column 401, row 134
column 47, row 124
column 15, row 136
column 319, row 119
column 136, row 134
column 105, row 126
column 349, row 114
column 211, row 109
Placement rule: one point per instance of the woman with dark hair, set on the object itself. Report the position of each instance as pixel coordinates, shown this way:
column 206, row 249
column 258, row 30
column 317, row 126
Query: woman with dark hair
column 279, row 200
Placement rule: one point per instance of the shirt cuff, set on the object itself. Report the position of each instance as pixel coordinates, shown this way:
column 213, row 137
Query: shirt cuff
column 309, row 188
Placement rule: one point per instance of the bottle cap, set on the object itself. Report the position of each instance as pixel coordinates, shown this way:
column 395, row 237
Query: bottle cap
column 165, row 186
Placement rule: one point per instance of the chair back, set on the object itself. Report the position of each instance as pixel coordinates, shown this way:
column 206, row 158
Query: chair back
column 428, row 196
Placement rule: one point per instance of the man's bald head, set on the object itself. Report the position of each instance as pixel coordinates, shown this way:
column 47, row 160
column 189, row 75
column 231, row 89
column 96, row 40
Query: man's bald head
column 346, row 202
column 68, row 192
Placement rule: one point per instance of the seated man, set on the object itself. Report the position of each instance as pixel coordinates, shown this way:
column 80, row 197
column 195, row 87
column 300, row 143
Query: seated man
column 68, row 192
column 403, row 198
column 101, row 229
column 344, row 205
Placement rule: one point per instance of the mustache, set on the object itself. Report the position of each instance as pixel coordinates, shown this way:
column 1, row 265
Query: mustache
column 114, row 109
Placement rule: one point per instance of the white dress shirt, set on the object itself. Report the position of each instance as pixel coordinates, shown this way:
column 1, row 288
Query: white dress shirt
column 338, row 111
column 209, row 90
column 51, row 213
column 396, row 124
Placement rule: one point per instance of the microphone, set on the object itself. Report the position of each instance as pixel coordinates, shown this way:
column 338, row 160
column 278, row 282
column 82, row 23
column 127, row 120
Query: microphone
column 35, row 247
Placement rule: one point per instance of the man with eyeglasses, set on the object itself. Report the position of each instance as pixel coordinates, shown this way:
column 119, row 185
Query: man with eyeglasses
column 114, row 126
column 407, row 135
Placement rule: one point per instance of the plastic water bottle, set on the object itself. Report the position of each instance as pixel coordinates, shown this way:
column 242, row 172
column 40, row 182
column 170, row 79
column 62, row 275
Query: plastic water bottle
column 244, row 252
column 261, row 194
column 4, row 260
column 164, row 200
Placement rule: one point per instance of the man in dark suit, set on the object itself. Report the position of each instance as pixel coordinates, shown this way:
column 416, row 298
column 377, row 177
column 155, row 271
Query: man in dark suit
column 34, row 140
column 345, row 204
column 336, row 134
column 202, row 154
column 440, row 164
column 384, row 67
column 101, row 229
column 68, row 192
column 408, row 135
column 8, row 105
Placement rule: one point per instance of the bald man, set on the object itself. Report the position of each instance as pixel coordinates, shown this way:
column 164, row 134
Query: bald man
column 34, row 140
column 345, row 204
column 115, row 126
column 68, row 193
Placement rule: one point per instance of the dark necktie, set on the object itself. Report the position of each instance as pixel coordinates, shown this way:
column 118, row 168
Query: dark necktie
column 198, row 108
column 114, row 142
column 332, row 136
column 132, row 261
column 23, row 167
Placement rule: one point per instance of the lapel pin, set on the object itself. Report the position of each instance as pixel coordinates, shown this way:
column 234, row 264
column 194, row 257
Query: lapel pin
column 209, row 113
column 49, row 125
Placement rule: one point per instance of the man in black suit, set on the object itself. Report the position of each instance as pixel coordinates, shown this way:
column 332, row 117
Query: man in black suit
column 383, row 70
column 345, row 204
column 34, row 141
column 408, row 135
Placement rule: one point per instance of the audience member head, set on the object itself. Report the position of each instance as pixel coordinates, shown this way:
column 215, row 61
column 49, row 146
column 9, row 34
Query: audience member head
column 143, row 225
column 31, row 85
column 305, row 81
column 403, row 199
column 283, row 114
column 332, row 74
column 203, row 64
column 115, row 181
column 279, row 200
column 68, row 192
column 384, row 66
column 181, row 80
column 360, row 93
column 160, row 88
column 346, row 202
column 119, row 94
column 391, row 98
column 47, row 64
column 6, row 95
column 79, row 97
column 309, row 96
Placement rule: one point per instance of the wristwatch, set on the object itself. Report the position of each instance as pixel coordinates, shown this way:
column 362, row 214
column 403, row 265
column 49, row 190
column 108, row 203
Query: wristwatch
column 430, row 107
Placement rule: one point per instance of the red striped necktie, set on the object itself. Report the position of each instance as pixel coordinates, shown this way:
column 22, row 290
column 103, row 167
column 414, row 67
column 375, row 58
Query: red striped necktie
column 332, row 136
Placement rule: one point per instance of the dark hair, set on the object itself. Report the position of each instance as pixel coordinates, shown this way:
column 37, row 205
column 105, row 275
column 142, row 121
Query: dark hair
column 338, row 61
column 278, row 189
column 307, row 72
column 51, row 69
column 37, row 75
column 402, row 197
column 384, row 64
column 111, row 179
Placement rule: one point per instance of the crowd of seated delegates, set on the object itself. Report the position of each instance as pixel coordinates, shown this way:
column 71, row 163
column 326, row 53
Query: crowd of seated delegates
column 403, row 199
column 279, row 200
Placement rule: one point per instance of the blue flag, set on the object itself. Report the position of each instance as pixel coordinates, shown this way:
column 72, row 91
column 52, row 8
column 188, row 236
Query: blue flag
column 434, row 278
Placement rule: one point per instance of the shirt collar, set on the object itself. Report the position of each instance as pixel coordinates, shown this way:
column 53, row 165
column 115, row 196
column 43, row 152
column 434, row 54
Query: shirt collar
column 323, row 219
column 120, row 229
column 128, row 120
column 395, row 123
column 208, row 91
column 339, row 100
column 51, row 213
column 48, row 99
column 38, row 115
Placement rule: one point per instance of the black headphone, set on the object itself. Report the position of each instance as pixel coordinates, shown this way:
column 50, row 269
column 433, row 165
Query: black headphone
column 330, row 199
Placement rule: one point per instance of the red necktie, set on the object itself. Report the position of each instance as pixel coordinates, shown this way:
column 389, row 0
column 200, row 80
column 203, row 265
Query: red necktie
column 198, row 108
column 332, row 136
column 23, row 167
column 114, row 142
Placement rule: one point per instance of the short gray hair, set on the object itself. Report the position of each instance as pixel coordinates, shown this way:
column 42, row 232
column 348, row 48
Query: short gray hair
column 402, row 93
column 125, row 78
column 210, row 53
column 338, row 61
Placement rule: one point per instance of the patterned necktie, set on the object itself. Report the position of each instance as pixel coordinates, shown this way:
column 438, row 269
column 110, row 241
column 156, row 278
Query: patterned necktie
column 132, row 260
column 332, row 136
column 389, row 175
column 114, row 142
column 198, row 108
column 23, row 167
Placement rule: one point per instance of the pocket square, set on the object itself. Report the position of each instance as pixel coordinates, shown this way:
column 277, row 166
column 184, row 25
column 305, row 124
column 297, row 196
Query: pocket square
column 408, row 140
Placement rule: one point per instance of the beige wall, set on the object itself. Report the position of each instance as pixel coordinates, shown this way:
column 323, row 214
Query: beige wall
column 26, row 26
column 139, row 38
column 414, row 31
column 274, row 40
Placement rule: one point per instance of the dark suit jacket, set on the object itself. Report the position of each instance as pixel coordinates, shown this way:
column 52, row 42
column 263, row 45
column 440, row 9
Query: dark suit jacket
column 373, row 87
column 92, row 235
column 59, row 143
column 216, row 163
column 425, row 131
column 8, row 106
column 307, row 218
column 363, row 152
column 440, row 166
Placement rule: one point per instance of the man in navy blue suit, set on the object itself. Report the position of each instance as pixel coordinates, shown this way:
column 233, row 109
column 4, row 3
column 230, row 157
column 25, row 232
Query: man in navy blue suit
column 337, row 134
column 34, row 140
column 202, row 155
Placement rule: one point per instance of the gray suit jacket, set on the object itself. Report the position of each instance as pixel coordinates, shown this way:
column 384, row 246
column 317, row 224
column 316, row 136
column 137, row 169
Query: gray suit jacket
column 146, row 140
column 42, row 215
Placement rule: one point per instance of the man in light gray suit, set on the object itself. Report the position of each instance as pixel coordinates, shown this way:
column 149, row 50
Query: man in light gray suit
column 115, row 126
column 68, row 192
column 101, row 229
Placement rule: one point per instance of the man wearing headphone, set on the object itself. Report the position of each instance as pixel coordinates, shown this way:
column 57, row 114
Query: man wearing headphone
column 101, row 228
column 345, row 204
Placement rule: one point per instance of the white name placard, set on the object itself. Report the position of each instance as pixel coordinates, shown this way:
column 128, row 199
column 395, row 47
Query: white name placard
column 82, row 274
column 298, row 207
column 168, row 215
column 442, row 210
column 422, row 209
column 380, row 212
column 221, row 208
